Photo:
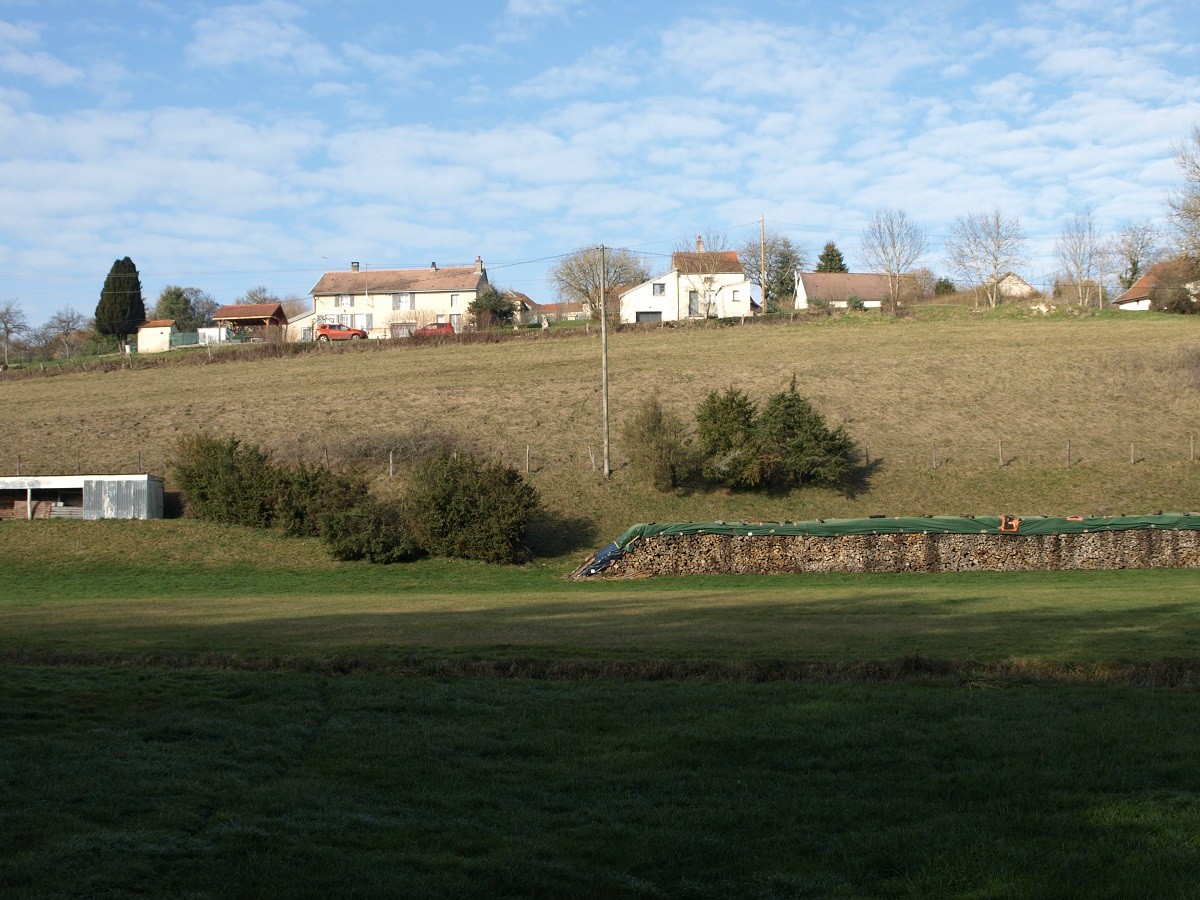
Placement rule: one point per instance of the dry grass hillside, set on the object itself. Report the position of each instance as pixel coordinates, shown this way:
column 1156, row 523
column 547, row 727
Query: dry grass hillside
column 935, row 402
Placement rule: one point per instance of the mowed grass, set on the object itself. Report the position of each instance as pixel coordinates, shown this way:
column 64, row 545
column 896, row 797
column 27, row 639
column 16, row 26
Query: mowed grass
column 938, row 402
column 159, row 734
column 122, row 782
column 187, row 589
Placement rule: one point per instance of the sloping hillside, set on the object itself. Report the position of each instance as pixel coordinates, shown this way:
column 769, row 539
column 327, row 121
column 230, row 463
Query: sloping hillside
column 957, row 416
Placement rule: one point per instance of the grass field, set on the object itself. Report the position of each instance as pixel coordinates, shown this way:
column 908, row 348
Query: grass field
column 202, row 710
column 188, row 709
column 947, row 390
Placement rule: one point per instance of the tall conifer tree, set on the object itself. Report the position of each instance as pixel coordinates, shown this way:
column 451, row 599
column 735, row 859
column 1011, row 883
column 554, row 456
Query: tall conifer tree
column 831, row 259
column 121, row 308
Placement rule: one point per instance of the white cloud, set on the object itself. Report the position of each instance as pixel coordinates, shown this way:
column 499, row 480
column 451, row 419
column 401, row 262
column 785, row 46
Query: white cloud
column 19, row 56
column 541, row 9
column 258, row 34
column 605, row 69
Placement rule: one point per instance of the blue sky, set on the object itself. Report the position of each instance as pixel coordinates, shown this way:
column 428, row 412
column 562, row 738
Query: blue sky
column 225, row 146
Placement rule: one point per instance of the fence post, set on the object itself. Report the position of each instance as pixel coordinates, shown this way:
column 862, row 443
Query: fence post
column 526, row 460
column 933, row 455
column 18, row 464
column 1068, row 454
column 1131, row 454
column 1192, row 448
column 1000, row 452
column 391, row 466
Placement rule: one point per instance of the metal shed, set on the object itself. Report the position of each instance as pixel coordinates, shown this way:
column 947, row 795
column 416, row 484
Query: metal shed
column 81, row 497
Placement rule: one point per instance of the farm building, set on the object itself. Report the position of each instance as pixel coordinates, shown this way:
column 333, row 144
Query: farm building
column 81, row 497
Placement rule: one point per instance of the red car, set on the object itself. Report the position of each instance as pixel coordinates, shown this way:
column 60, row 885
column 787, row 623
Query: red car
column 436, row 328
column 335, row 332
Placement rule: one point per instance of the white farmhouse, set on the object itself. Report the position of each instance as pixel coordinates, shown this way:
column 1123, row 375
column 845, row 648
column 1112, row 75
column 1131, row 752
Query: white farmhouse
column 705, row 284
column 392, row 302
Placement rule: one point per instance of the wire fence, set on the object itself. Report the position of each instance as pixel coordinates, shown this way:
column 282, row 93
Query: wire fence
column 936, row 456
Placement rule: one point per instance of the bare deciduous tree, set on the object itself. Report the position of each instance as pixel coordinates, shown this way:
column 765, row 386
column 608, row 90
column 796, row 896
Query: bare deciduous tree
column 783, row 260
column 983, row 248
column 1133, row 249
column 67, row 330
column 1081, row 254
column 577, row 276
column 891, row 244
column 12, row 323
column 1184, row 204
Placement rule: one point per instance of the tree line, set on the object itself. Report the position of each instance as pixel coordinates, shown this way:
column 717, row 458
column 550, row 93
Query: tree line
column 981, row 249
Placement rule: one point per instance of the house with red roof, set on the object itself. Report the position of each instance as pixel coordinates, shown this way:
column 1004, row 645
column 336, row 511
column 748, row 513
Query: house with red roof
column 154, row 336
column 392, row 302
column 1137, row 298
column 705, row 284
column 841, row 290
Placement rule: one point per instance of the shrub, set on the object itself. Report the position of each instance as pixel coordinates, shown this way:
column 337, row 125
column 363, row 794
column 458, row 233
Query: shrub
column 307, row 493
column 794, row 445
column 1173, row 297
column 368, row 529
column 943, row 287
column 725, row 433
column 226, row 481
column 658, row 445
column 465, row 508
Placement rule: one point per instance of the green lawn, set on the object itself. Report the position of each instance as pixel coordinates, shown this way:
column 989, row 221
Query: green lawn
column 173, row 721
column 261, row 596
column 149, row 782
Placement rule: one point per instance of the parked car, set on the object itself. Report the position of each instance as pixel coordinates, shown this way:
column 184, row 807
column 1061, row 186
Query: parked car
column 336, row 332
column 436, row 328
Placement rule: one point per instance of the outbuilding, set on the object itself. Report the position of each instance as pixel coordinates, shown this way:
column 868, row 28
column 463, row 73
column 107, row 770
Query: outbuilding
column 81, row 497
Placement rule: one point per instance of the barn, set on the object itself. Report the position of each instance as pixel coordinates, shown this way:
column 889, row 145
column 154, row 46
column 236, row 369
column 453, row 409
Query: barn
column 81, row 497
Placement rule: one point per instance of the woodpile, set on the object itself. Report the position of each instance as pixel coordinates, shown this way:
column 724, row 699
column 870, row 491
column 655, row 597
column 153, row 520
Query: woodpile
column 716, row 554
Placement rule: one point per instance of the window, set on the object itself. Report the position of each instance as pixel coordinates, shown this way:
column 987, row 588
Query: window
column 345, row 300
column 404, row 300
column 453, row 300
column 658, row 288
column 734, row 297
column 693, row 303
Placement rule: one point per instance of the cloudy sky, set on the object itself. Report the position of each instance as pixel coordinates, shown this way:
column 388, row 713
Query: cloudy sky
column 225, row 146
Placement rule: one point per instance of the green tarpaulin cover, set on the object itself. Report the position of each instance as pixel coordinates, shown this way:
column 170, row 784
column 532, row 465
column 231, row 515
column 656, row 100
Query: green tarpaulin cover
column 1002, row 525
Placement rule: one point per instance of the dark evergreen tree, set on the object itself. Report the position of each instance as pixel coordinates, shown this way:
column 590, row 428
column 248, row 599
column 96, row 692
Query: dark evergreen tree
column 944, row 286
column 121, row 308
column 492, row 307
column 725, row 438
column 794, row 446
column 831, row 259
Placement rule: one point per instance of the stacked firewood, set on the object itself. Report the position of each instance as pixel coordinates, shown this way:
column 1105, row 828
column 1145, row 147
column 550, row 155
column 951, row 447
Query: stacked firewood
column 712, row 554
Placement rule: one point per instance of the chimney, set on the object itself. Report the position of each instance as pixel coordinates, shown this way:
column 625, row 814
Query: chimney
column 479, row 265
column 433, row 266
column 353, row 267
column 699, row 243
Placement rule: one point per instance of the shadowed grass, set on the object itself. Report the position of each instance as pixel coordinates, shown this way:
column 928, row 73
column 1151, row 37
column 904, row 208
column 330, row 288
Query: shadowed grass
column 166, row 783
column 137, row 588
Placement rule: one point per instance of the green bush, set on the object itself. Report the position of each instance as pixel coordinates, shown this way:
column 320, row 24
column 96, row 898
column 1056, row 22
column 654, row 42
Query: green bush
column 462, row 507
column 786, row 444
column 307, row 493
column 725, row 434
column 368, row 529
column 226, row 481
column 795, row 447
column 658, row 445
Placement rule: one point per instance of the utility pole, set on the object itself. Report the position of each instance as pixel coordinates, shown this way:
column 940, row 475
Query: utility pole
column 604, row 358
column 762, row 267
